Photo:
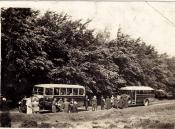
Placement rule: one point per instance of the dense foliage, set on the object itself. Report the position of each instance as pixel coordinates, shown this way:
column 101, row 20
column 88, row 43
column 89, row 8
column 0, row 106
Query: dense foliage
column 55, row 49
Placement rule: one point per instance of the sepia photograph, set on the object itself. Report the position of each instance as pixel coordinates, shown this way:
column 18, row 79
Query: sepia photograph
column 87, row 64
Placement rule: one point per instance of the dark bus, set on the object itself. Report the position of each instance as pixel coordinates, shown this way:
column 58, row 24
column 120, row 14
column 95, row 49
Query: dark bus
column 138, row 95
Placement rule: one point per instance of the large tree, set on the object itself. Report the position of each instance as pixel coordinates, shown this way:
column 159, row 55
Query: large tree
column 53, row 48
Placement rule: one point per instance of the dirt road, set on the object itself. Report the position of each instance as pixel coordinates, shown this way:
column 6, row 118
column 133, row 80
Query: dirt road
column 160, row 114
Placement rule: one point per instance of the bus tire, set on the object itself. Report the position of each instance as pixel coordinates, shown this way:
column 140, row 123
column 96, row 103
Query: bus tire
column 146, row 102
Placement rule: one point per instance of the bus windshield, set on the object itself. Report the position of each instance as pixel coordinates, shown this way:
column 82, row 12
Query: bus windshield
column 38, row 90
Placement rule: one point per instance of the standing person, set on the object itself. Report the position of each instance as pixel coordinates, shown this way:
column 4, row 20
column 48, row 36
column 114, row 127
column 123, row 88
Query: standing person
column 112, row 100
column 60, row 104
column 5, row 115
column 74, row 106
column 86, row 102
column 54, row 103
column 94, row 103
column 66, row 106
column 71, row 105
column 118, row 101
column 35, row 105
column 115, row 102
column 29, row 105
column 108, row 102
column 102, row 103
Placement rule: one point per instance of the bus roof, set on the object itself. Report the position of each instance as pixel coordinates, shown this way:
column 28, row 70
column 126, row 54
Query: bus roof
column 136, row 88
column 58, row 86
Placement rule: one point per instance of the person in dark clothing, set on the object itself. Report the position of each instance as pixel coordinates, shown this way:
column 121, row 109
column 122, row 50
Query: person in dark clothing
column 86, row 102
column 66, row 106
column 108, row 102
column 102, row 103
column 73, row 106
column 115, row 102
column 54, row 102
column 5, row 115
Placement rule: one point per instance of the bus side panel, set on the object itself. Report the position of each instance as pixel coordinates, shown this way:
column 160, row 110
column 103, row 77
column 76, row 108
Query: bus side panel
column 141, row 97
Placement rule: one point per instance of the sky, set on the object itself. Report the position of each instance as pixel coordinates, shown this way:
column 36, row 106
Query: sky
column 153, row 22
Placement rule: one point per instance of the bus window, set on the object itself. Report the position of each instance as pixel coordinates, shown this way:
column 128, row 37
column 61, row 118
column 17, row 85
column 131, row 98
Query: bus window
column 49, row 91
column 35, row 90
column 63, row 91
column 81, row 91
column 148, row 92
column 40, row 91
column 140, row 92
column 57, row 91
column 69, row 91
column 75, row 91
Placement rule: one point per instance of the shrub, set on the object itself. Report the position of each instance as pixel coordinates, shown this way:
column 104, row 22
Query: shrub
column 29, row 124
column 63, row 125
column 112, row 126
column 45, row 125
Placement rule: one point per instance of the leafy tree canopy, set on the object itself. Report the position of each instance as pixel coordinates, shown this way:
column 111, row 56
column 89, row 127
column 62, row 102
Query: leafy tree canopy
column 55, row 49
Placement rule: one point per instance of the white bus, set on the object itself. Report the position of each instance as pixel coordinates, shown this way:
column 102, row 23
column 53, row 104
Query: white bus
column 47, row 92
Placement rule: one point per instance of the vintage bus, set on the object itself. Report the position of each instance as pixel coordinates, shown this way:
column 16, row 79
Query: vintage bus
column 138, row 95
column 45, row 93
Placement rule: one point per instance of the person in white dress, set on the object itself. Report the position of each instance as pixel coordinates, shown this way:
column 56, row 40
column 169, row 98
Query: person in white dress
column 29, row 106
column 112, row 100
column 35, row 105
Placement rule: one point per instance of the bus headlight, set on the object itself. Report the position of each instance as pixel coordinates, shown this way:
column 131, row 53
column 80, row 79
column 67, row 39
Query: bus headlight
column 129, row 101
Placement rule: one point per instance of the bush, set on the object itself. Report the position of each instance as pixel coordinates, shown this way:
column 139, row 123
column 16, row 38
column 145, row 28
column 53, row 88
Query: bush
column 45, row 125
column 162, row 126
column 5, row 119
column 63, row 125
column 29, row 124
column 112, row 126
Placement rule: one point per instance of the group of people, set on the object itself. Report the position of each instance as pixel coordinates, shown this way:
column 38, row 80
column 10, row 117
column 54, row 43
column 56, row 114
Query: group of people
column 65, row 106
column 32, row 105
column 107, row 103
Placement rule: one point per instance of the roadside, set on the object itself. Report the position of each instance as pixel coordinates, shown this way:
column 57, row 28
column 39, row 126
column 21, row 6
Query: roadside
column 158, row 115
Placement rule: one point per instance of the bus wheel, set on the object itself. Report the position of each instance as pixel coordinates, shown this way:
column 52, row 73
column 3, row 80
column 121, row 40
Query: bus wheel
column 146, row 102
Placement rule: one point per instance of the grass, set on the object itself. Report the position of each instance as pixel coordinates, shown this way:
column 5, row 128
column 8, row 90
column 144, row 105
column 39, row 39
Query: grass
column 63, row 125
column 17, row 117
column 34, row 124
column 154, row 124
column 29, row 124
column 112, row 126
column 94, row 122
column 153, row 117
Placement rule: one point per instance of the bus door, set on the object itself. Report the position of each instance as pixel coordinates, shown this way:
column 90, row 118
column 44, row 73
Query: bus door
column 133, row 96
